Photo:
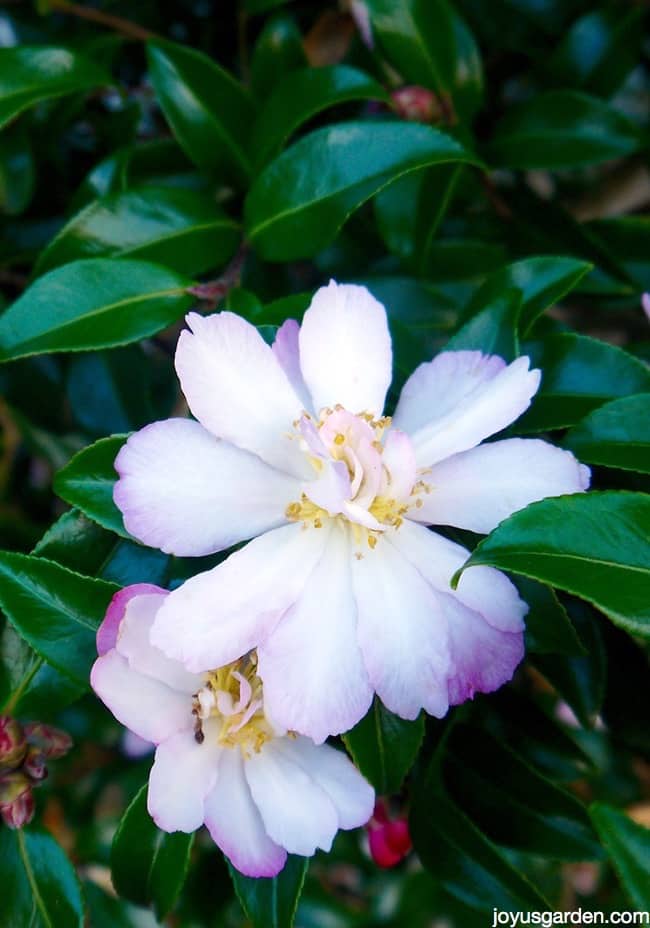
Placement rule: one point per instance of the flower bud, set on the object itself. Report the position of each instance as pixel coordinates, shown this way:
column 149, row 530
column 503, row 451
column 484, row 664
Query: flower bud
column 34, row 764
column 16, row 800
column 416, row 104
column 12, row 742
column 51, row 741
column 389, row 840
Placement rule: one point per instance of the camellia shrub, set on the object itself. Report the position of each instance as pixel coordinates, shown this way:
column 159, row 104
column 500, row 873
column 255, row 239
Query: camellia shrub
column 325, row 435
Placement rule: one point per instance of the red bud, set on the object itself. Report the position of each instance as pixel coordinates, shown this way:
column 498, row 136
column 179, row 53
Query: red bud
column 12, row 742
column 34, row 764
column 20, row 811
column 51, row 741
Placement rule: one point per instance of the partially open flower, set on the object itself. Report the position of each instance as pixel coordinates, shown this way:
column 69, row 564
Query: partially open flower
column 345, row 592
column 220, row 759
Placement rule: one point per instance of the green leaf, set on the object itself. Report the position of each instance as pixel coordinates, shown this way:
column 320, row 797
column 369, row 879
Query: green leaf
column 627, row 240
column 593, row 545
column 430, row 45
column 148, row 866
column 277, row 51
column 300, row 200
column 208, row 111
column 16, row 170
column 511, row 802
column 579, row 374
column 30, row 74
column 109, row 391
column 463, row 859
column 87, row 482
column 39, row 886
column 562, row 129
column 628, row 846
column 548, row 627
column 56, row 610
column 493, row 330
column 384, row 747
column 180, row 229
column 272, row 902
column 615, row 435
column 91, row 304
column 300, row 96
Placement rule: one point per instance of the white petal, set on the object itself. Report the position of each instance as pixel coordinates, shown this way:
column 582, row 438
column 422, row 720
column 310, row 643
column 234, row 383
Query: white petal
column 482, row 589
column 286, row 348
column 217, row 616
column 402, row 632
column 479, row 488
column 144, row 705
column 455, row 401
column 235, row 823
column 351, row 793
column 311, row 666
column 182, row 775
column 345, row 349
column 188, row 493
column 297, row 813
column 237, row 389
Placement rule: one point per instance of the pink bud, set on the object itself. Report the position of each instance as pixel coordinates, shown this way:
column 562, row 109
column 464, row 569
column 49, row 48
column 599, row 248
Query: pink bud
column 389, row 841
column 12, row 742
column 34, row 764
column 51, row 741
column 416, row 104
column 20, row 811
column 12, row 785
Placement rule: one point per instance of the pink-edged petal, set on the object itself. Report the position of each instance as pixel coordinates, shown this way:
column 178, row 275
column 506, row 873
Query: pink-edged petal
column 455, row 401
column 352, row 795
column 286, row 348
column 144, row 705
column 107, row 631
column 235, row 824
column 482, row 589
column 133, row 643
column 237, row 389
column 297, row 813
column 311, row 665
column 217, row 616
column 183, row 774
column 402, row 632
column 188, row 493
column 345, row 349
column 479, row 488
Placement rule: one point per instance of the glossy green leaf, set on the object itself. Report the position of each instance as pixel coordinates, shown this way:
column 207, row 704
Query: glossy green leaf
column 39, row 886
column 615, row 435
column 493, row 330
column 593, row 545
column 30, row 74
column 300, row 200
column 579, row 374
column 628, row 846
column 300, row 96
column 148, row 866
column 208, row 111
column 16, row 170
column 278, row 51
column 87, row 482
column 56, row 610
column 430, row 45
column 627, row 240
column 109, row 391
column 91, row 304
column 272, row 902
column 562, row 129
column 384, row 747
column 511, row 802
column 548, row 627
column 180, row 229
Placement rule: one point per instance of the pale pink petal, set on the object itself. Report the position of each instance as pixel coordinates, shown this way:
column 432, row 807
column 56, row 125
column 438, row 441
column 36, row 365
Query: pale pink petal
column 479, row 488
column 297, row 813
column 182, row 775
column 188, row 493
column 345, row 349
column 402, row 632
column 352, row 795
column 107, row 631
column 234, row 821
column 144, row 705
column 237, row 389
column 482, row 589
column 331, row 489
column 399, row 460
column 217, row 616
column 311, row 665
column 461, row 397
column 286, row 348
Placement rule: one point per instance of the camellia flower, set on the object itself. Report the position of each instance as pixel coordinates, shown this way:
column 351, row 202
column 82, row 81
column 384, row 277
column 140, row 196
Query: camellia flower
column 345, row 592
column 219, row 759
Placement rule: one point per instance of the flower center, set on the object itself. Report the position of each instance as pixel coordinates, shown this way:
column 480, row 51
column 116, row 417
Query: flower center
column 365, row 473
column 231, row 700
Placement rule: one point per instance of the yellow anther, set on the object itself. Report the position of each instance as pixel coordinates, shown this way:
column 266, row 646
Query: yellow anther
column 339, row 439
column 372, row 541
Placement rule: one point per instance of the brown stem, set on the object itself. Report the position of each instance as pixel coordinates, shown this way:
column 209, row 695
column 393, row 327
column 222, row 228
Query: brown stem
column 116, row 23
column 213, row 291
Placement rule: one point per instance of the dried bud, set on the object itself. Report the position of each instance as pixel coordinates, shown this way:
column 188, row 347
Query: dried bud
column 12, row 742
column 52, row 742
column 34, row 764
column 18, row 810
column 417, row 104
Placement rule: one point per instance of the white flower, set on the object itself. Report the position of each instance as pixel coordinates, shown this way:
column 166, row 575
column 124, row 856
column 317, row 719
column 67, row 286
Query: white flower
column 219, row 759
column 345, row 592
